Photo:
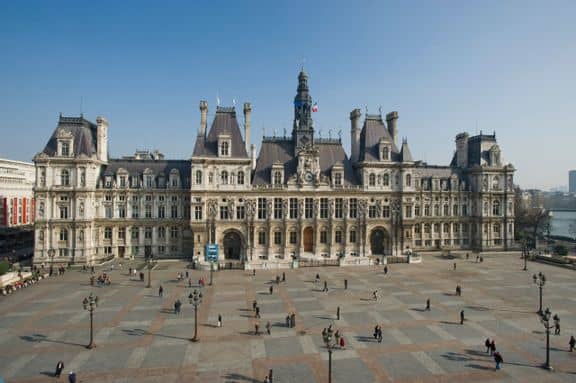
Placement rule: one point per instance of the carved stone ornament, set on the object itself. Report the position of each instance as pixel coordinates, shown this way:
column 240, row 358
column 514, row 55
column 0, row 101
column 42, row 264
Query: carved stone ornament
column 64, row 134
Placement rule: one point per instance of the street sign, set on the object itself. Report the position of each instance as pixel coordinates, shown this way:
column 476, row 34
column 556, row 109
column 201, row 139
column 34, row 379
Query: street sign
column 211, row 252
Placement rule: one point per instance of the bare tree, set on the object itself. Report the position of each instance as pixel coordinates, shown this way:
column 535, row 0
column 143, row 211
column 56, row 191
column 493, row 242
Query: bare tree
column 531, row 222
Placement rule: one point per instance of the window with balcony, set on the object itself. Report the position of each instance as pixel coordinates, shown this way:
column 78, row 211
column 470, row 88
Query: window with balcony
column 65, row 177
column 262, row 208
column 278, row 208
column 293, row 208
column 338, row 208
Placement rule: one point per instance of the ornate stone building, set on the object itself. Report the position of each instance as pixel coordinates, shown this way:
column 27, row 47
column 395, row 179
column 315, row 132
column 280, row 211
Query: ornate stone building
column 301, row 198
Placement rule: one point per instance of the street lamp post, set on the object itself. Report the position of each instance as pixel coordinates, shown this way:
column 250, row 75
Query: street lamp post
column 211, row 272
column 327, row 337
column 90, row 303
column 546, row 323
column 195, row 299
column 396, row 222
column 150, row 263
column 540, row 281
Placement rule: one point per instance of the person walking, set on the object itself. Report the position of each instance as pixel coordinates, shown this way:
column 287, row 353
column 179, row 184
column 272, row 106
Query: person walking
column 498, row 359
column 338, row 313
column 271, row 289
column 325, row 286
column 487, row 344
column 160, row 291
column 375, row 332
column 268, row 327
column 59, row 369
column 257, row 312
column 187, row 274
column 342, row 343
column 379, row 334
column 72, row 377
column 557, row 328
column 454, row 265
column 317, row 279
column 492, row 347
column 288, row 320
column 385, row 269
column 266, row 379
column 270, row 376
column 467, row 256
column 572, row 343
column 254, row 304
column 428, row 304
column 175, row 307
column 293, row 320
column 345, row 284
column 375, row 295
column 462, row 317
column 283, row 276
column 219, row 320
column 253, row 272
column 256, row 329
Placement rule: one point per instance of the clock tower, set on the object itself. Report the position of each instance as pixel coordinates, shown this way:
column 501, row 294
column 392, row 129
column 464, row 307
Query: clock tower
column 303, row 129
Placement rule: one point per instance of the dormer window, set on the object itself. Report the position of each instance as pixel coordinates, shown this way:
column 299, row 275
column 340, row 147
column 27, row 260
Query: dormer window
column 240, row 177
column 372, row 179
column 277, row 177
column 408, row 180
column 224, row 145
column 384, row 150
column 65, row 149
column 338, row 179
column 198, row 177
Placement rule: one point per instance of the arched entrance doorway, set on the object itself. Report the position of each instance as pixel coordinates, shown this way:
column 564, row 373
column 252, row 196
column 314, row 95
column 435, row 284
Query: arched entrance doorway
column 378, row 241
column 308, row 239
column 232, row 246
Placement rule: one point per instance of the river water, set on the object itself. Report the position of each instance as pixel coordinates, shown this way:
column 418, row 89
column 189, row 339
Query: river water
column 560, row 222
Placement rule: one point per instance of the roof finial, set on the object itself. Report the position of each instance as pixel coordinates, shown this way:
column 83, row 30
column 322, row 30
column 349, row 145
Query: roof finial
column 302, row 62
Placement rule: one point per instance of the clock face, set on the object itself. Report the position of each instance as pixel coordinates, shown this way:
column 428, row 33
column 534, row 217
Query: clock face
column 308, row 177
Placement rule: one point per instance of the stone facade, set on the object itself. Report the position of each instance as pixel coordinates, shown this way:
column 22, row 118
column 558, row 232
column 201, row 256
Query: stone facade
column 301, row 198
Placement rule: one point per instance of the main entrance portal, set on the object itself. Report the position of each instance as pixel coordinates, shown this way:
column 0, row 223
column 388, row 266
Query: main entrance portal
column 308, row 239
column 232, row 246
column 378, row 242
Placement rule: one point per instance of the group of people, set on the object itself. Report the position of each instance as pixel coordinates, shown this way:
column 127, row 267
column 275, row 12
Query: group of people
column 291, row 320
column 338, row 338
column 103, row 280
column 378, row 333
column 491, row 349
column 60, row 368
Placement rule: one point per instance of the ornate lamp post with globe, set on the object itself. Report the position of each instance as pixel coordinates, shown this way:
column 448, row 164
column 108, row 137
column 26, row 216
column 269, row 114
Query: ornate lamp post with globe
column 327, row 338
column 90, row 303
column 195, row 299
column 546, row 323
column 540, row 281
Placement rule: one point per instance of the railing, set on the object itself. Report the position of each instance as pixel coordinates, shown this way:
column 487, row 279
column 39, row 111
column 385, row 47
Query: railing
column 304, row 262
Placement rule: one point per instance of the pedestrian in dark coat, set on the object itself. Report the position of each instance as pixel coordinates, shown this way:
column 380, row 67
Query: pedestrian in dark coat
column 59, row 369
column 325, row 286
column 345, row 284
column 462, row 317
column 271, row 289
column 268, row 327
column 557, row 328
column 454, row 265
column 487, row 344
column 428, row 304
column 219, row 320
column 338, row 313
column 293, row 320
column 256, row 329
column 257, row 312
column 498, row 359
column 376, row 332
column 492, row 347
column 72, row 377
column 385, row 269
column 254, row 304
column 283, row 277
column 160, row 291
column 572, row 343
column 288, row 320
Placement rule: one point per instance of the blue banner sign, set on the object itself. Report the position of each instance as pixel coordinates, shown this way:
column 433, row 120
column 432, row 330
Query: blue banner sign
column 211, row 252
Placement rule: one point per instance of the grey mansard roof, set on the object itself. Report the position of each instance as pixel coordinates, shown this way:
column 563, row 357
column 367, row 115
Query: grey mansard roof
column 224, row 122
column 83, row 132
column 281, row 151
column 137, row 167
column 373, row 130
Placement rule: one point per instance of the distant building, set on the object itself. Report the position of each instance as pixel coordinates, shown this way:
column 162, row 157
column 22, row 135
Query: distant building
column 16, row 193
column 572, row 181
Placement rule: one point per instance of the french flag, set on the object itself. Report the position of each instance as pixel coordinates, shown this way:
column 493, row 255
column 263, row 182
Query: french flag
column 315, row 107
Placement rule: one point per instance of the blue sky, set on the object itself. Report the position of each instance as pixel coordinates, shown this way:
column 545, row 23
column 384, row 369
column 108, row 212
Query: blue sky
column 445, row 66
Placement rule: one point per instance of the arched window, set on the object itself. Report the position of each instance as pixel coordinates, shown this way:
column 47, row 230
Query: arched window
column 385, row 153
column 64, row 235
column 224, row 177
column 386, row 180
column 372, row 179
column 224, row 149
column 240, row 178
column 277, row 178
column 496, row 208
column 198, row 177
column 65, row 177
column 408, row 180
column 485, row 208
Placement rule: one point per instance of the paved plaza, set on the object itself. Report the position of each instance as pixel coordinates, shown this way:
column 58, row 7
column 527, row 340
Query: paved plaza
column 140, row 339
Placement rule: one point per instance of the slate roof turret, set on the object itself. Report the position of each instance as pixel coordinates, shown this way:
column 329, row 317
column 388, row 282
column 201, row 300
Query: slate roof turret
column 224, row 122
column 82, row 131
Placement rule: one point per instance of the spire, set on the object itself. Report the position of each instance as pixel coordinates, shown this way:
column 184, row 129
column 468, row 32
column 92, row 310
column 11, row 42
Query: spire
column 405, row 154
column 302, row 128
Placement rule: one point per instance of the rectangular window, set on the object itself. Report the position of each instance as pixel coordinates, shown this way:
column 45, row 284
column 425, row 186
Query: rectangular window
column 261, row 237
column 161, row 211
column 224, row 212
column 352, row 236
column 417, row 229
column 353, row 207
column 63, row 212
column 122, row 233
column 148, row 211
column 308, row 208
column 293, row 208
column 198, row 213
column 174, row 232
column 386, row 211
column 464, row 210
column 262, row 213
column 148, row 233
column 148, row 198
column 65, row 149
column 122, row 211
column 135, row 233
column 240, row 212
column 277, row 238
column 108, row 197
column 123, row 181
column 436, row 228
column 338, row 208
column 174, row 211
column 135, row 211
column 455, row 210
column 372, row 211
column 338, row 236
column 278, row 208
column 417, row 211
column 323, row 236
column 161, row 232
column 107, row 233
column 293, row 237
column 161, row 249
column 446, row 228
column 446, row 211
column 408, row 211
column 427, row 210
column 323, row 207
column 109, row 212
